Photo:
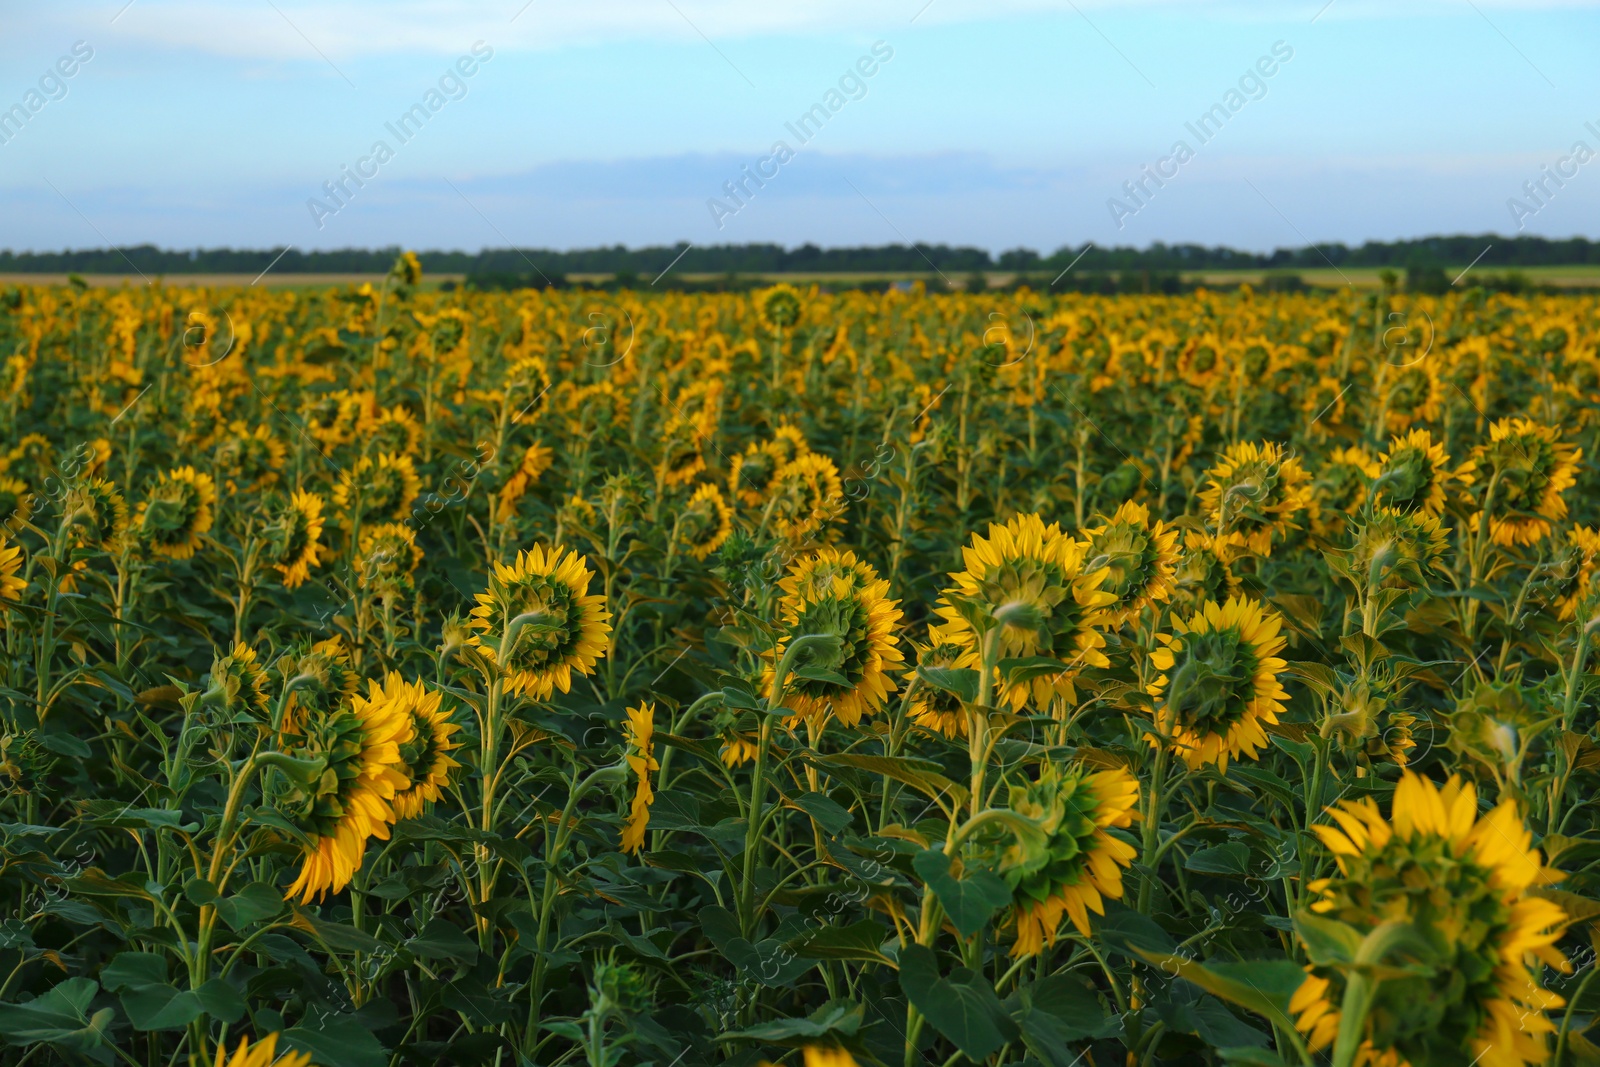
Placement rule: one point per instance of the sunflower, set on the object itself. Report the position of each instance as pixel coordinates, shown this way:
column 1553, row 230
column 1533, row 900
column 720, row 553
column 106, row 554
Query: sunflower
column 1078, row 862
column 526, row 384
column 705, row 522
column 1140, row 558
column 241, row 683
column 1057, row 606
column 1253, row 495
column 752, row 471
column 177, row 512
column 536, row 459
column 294, row 537
column 1223, row 683
column 332, row 418
column 681, row 457
column 1583, row 553
column 11, row 587
column 263, row 1053
column 248, row 460
column 358, row 748
column 779, row 307
column 381, row 488
column 319, row 678
column 1461, row 884
column 561, row 628
column 641, row 761
column 16, row 503
column 1415, row 474
column 1342, row 485
column 394, row 430
column 1405, row 547
column 805, row 495
column 425, row 746
column 1200, row 361
column 387, row 559
column 1205, row 571
column 98, row 514
column 1526, row 468
column 932, row 708
column 833, row 594
column 1416, row 395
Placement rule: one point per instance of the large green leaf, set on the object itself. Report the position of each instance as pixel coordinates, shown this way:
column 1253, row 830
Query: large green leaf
column 60, row 1017
column 962, row 1006
column 969, row 899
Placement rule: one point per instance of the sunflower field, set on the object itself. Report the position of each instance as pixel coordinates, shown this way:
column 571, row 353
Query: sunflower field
column 396, row 676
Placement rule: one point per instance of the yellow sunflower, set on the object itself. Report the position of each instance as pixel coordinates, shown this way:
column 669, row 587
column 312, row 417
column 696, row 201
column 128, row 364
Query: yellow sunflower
column 1342, row 485
column 358, row 746
column 295, row 538
column 1222, row 687
column 319, row 678
column 177, row 512
column 248, row 459
column 1078, row 863
column 641, row 761
column 751, row 472
column 1140, row 557
column 1254, row 494
column 263, row 1053
column 11, row 587
column 1415, row 474
column 387, row 558
column 833, row 594
column 536, row 459
column 932, row 708
column 381, row 488
column 705, row 522
column 1583, row 549
column 804, row 497
column 1405, row 547
column 98, row 514
column 394, row 430
column 1525, row 468
column 1460, row 884
column 425, row 746
column 779, row 307
column 1038, row 578
column 560, row 626
column 16, row 503
column 241, row 682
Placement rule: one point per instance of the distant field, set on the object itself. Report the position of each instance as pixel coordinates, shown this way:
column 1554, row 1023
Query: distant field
column 1323, row 277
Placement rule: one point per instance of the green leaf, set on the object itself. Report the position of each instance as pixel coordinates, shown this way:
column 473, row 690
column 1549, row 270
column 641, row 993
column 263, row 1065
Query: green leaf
column 960, row 683
column 133, row 970
column 250, row 905
column 1220, row 1028
column 828, row 813
column 59, row 1017
column 835, row 1017
column 1251, row 1057
column 1127, row 931
column 335, row 1039
column 439, row 940
column 1261, row 986
column 862, row 940
column 1328, row 942
column 970, row 899
column 921, row 775
column 963, row 1006
column 1231, row 858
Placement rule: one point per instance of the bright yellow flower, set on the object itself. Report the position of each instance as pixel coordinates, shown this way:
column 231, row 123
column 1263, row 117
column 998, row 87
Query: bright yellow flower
column 560, row 627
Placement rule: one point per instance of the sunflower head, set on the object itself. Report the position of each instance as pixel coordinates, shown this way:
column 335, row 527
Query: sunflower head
column 177, row 512
column 705, row 522
column 294, row 538
column 1029, row 588
column 1398, row 549
column 319, row 678
column 833, row 596
column 1575, row 571
column 1220, row 689
column 387, row 559
column 751, row 472
column 407, row 269
column 263, row 1053
column 804, row 497
column 98, row 513
column 1415, row 474
column 1460, row 987
column 1073, row 862
column 1342, row 485
column 424, row 746
column 933, row 708
column 357, row 748
column 1140, row 559
column 641, row 761
column 1254, row 494
column 1524, row 469
column 538, row 622
column 249, row 459
column 374, row 489
column 11, row 586
column 1204, row 573
column 240, row 683
column 780, row 307
column 394, row 430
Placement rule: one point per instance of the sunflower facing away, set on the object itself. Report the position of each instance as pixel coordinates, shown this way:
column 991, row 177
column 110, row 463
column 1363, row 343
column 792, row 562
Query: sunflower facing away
column 98, row 513
column 1415, row 474
column 387, row 559
column 381, row 488
column 831, row 593
column 1080, row 862
column 425, row 748
column 178, row 512
column 1583, row 554
column 295, row 537
column 1140, row 558
column 1254, row 494
column 705, row 522
column 241, row 682
column 1525, row 468
column 805, row 496
column 1462, row 884
column 358, row 745
column 11, row 587
column 562, row 628
column 263, row 1053
column 641, row 761
column 1221, row 687
column 933, row 708
column 1024, row 563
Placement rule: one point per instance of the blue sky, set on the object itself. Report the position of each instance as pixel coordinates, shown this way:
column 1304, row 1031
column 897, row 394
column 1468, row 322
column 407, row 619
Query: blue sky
column 996, row 123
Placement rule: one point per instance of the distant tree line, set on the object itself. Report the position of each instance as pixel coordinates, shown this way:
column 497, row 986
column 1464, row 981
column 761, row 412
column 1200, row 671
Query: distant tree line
column 1422, row 254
